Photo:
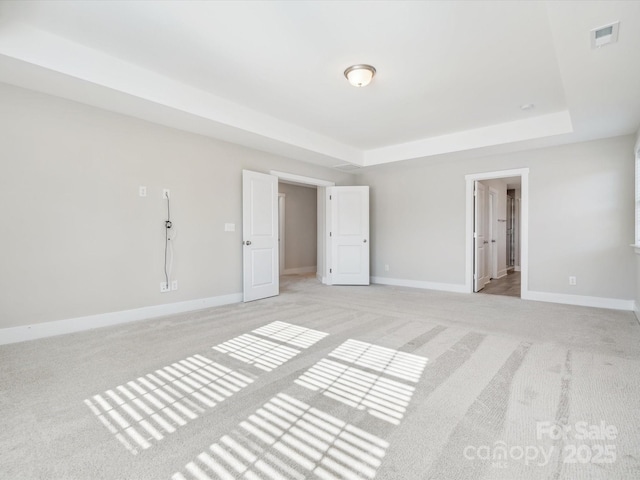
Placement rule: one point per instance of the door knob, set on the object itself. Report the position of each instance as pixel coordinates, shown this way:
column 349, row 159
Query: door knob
column 485, row 241
column 248, row 242
column 365, row 240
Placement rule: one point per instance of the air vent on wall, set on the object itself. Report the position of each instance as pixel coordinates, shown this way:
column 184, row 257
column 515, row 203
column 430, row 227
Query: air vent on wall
column 604, row 35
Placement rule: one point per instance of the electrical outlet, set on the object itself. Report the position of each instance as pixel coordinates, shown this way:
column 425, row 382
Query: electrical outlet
column 174, row 284
column 386, row 268
column 572, row 280
column 164, row 287
column 229, row 227
column 166, row 193
column 142, row 191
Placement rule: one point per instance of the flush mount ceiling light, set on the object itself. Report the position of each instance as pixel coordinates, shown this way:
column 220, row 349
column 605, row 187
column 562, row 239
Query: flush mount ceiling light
column 527, row 106
column 360, row 75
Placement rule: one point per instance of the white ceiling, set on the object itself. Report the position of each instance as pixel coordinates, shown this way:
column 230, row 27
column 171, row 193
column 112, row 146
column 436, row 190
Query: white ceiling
column 268, row 74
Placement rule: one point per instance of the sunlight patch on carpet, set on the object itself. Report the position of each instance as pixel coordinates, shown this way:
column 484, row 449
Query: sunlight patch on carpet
column 145, row 410
column 268, row 347
column 287, row 439
column 361, row 380
column 291, row 334
column 381, row 397
column 405, row 366
column 259, row 352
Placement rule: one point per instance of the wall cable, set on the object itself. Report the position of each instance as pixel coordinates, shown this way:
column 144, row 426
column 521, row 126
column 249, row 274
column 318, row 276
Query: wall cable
column 168, row 247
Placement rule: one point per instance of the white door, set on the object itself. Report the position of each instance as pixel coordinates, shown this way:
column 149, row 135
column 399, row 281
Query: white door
column 492, row 233
column 349, row 235
column 480, row 272
column 259, row 235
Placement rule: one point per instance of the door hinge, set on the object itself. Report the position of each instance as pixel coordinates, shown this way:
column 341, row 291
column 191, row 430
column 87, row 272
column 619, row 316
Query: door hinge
column 331, row 270
column 329, row 197
column 475, row 235
column 475, row 193
column 329, row 233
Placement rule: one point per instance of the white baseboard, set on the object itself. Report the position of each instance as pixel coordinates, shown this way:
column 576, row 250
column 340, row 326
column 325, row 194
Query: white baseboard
column 636, row 310
column 60, row 327
column 299, row 270
column 443, row 287
column 581, row 300
column 516, row 268
column 502, row 273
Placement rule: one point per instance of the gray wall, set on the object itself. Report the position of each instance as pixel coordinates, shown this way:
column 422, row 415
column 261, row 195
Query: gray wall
column 77, row 239
column 581, row 214
column 301, row 233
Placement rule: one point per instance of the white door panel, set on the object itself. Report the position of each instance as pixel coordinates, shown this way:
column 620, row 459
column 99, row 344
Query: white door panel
column 349, row 221
column 262, row 264
column 349, row 235
column 481, row 273
column 260, row 235
column 349, row 259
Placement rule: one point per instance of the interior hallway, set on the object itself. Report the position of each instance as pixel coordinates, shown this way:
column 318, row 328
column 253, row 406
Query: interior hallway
column 508, row 285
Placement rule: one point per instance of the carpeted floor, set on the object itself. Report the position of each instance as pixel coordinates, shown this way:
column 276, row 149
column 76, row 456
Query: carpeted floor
column 331, row 383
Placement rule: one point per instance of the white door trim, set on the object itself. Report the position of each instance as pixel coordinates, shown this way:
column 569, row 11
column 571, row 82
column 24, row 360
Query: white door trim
column 523, row 173
column 291, row 177
column 281, row 229
column 494, row 229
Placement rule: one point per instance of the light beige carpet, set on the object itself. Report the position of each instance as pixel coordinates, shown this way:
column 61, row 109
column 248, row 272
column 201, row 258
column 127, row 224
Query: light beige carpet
column 331, row 383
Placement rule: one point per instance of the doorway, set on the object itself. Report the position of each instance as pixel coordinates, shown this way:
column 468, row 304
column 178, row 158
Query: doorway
column 497, row 232
column 322, row 259
column 338, row 261
column 260, row 232
column 298, row 220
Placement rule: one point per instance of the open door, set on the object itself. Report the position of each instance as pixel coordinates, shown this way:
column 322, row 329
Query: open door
column 259, row 235
column 480, row 271
column 349, row 235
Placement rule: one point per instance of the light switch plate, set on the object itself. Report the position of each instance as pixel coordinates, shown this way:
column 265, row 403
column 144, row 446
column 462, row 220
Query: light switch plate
column 229, row 227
